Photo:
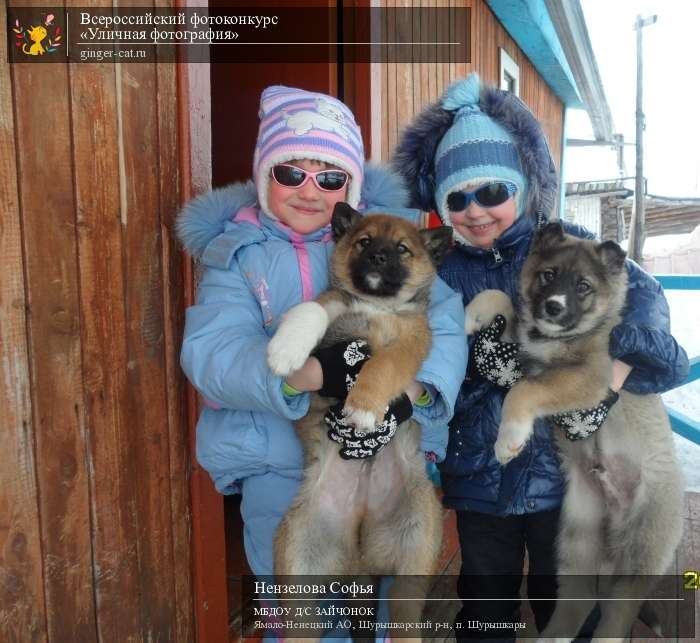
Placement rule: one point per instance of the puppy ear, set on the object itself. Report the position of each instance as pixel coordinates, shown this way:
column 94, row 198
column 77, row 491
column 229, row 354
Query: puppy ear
column 612, row 256
column 437, row 242
column 344, row 218
column 551, row 234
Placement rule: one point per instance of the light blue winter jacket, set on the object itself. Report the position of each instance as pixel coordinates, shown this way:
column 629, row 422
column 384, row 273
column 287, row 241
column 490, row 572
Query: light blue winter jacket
column 255, row 269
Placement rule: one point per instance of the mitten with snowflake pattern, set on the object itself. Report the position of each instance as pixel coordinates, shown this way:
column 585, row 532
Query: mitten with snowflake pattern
column 341, row 364
column 581, row 423
column 494, row 360
column 358, row 445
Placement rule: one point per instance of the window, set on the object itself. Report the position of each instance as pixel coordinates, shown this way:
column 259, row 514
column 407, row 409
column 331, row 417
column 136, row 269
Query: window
column 510, row 73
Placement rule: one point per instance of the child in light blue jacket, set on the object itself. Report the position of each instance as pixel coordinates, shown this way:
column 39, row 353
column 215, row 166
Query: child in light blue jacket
column 265, row 247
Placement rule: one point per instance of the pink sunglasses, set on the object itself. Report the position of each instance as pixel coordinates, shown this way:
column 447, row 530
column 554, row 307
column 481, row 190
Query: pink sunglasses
column 291, row 176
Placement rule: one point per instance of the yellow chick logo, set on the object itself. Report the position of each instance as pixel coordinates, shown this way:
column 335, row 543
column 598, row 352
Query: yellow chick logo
column 31, row 40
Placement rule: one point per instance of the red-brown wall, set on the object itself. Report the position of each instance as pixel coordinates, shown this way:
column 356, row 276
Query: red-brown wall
column 94, row 481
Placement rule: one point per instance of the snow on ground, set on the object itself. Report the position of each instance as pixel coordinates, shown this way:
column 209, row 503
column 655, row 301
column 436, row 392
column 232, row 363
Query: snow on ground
column 662, row 243
column 685, row 313
column 685, row 326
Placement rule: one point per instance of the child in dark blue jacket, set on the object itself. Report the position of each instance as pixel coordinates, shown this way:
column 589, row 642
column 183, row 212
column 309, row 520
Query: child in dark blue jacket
column 480, row 159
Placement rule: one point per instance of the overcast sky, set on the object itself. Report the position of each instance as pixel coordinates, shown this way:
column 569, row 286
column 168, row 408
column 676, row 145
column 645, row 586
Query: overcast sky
column 671, row 93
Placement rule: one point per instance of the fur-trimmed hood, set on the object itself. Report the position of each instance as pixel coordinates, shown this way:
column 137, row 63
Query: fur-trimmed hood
column 205, row 217
column 414, row 156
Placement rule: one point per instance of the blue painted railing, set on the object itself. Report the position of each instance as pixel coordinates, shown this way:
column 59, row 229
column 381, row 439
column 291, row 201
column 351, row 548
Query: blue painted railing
column 683, row 425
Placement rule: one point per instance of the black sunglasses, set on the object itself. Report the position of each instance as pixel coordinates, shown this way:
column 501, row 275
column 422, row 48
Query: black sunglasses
column 291, row 176
column 487, row 196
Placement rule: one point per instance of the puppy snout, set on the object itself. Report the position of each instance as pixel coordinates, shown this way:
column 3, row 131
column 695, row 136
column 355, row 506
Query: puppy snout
column 553, row 307
column 378, row 258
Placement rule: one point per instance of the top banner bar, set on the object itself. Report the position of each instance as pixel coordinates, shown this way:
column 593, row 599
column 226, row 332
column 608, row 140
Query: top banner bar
column 239, row 34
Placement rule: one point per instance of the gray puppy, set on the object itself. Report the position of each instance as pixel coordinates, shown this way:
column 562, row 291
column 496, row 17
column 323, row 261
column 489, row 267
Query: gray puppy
column 622, row 513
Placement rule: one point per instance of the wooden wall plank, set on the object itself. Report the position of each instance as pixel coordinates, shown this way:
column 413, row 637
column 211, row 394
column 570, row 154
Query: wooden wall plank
column 474, row 59
column 404, row 79
column 357, row 82
column 452, row 66
column 104, row 333
column 179, row 454
column 430, row 34
column 391, row 106
column 48, row 215
column 208, row 538
column 53, row 293
column 146, row 403
column 174, row 290
column 22, row 602
column 442, row 71
column 419, row 77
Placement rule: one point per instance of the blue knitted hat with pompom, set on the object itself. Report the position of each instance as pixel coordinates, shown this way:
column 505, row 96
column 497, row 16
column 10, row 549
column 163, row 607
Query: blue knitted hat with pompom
column 475, row 150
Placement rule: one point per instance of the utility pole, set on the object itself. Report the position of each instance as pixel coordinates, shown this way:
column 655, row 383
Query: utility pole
column 637, row 232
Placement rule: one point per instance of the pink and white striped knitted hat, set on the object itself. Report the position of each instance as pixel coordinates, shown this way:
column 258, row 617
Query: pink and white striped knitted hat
column 297, row 124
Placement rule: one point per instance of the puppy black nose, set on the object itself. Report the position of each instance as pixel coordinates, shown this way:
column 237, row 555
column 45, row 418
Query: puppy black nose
column 378, row 258
column 553, row 307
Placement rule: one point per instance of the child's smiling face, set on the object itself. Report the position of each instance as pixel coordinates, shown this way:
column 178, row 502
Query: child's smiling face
column 305, row 209
column 481, row 226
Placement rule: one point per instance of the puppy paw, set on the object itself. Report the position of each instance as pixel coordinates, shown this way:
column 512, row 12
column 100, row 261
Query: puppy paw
column 506, row 452
column 511, row 440
column 284, row 358
column 300, row 330
column 363, row 421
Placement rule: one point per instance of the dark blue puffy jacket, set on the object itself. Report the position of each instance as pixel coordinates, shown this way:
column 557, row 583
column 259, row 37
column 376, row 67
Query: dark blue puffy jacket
column 471, row 476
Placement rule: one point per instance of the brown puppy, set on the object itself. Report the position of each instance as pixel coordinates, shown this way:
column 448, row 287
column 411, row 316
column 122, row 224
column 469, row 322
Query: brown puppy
column 379, row 515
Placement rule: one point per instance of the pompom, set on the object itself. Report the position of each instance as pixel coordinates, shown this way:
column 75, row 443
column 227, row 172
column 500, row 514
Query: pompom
column 463, row 93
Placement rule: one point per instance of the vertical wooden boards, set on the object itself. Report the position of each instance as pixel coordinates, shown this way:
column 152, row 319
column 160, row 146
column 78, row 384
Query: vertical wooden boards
column 95, row 531
column 22, row 602
column 196, row 121
column 145, row 374
column 47, row 207
column 409, row 87
column 173, row 294
column 110, row 441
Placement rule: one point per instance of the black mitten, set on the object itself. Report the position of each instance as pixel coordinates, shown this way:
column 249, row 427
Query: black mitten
column 494, row 360
column 358, row 444
column 341, row 364
column 581, row 423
